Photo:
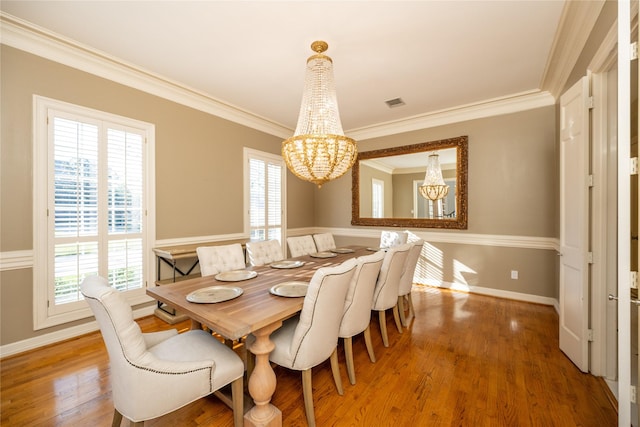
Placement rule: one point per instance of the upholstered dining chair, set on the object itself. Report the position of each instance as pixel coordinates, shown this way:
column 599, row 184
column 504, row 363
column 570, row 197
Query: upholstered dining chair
column 301, row 245
column 306, row 340
column 218, row 259
column 406, row 282
column 392, row 238
column 264, row 252
column 385, row 295
column 153, row 374
column 324, row 242
column 357, row 307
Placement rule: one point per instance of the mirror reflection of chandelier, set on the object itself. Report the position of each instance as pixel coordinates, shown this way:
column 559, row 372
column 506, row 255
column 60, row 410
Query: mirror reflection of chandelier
column 433, row 187
column 318, row 151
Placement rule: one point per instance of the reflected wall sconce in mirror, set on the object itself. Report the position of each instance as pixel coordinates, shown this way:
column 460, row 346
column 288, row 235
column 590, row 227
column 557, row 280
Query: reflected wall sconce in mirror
column 319, row 151
column 386, row 186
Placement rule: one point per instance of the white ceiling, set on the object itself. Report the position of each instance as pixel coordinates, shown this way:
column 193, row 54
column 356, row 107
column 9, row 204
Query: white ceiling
column 435, row 55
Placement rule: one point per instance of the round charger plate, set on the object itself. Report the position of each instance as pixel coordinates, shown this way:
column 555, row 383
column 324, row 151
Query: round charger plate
column 236, row 275
column 214, row 294
column 323, row 255
column 290, row 289
column 286, row 264
column 376, row 249
column 343, row 250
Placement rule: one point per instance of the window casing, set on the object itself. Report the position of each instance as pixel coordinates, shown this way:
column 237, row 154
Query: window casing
column 264, row 183
column 377, row 198
column 93, row 200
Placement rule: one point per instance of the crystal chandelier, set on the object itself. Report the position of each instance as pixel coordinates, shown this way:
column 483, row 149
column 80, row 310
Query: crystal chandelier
column 318, row 151
column 433, row 187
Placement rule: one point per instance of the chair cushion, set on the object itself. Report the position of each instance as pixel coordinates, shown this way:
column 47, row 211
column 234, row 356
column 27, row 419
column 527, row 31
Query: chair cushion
column 264, row 252
column 301, row 245
column 198, row 345
column 324, row 242
column 393, row 238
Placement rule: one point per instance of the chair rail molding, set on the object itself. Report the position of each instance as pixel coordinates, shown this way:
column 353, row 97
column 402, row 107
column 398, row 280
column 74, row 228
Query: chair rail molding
column 16, row 260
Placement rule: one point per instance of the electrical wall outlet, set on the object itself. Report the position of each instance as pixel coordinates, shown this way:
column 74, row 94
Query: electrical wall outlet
column 514, row 274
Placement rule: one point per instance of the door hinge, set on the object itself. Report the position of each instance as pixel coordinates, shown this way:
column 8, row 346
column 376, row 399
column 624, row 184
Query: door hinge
column 589, row 334
column 633, row 166
column 589, row 102
column 590, row 181
column 633, row 280
column 633, row 51
column 633, row 395
column 590, row 257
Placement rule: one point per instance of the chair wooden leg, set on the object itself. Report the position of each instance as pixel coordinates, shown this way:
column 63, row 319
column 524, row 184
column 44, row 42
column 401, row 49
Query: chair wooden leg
column 369, row 344
column 383, row 328
column 348, row 354
column 411, row 311
column 117, row 418
column 137, row 424
column 396, row 317
column 335, row 369
column 403, row 318
column 307, row 392
column 237, row 396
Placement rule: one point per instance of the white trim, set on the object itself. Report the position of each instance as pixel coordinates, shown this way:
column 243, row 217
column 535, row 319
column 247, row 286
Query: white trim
column 461, row 238
column 488, row 108
column 31, row 38
column 576, row 23
column 498, row 293
column 16, row 260
column 61, row 335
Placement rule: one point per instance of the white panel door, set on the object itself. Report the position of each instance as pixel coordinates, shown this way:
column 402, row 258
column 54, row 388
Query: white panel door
column 574, row 231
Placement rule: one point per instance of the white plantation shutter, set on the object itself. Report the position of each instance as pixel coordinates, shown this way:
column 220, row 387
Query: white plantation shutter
column 264, row 186
column 95, row 177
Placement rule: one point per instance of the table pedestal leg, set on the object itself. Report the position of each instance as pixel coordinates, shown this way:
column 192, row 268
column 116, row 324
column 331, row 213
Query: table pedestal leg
column 262, row 383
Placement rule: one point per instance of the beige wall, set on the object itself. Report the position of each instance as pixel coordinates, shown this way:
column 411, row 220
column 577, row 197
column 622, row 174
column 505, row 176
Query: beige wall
column 198, row 167
column 512, row 189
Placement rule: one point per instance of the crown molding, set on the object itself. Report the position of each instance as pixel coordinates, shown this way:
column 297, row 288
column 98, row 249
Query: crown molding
column 576, row 23
column 489, row 108
column 39, row 41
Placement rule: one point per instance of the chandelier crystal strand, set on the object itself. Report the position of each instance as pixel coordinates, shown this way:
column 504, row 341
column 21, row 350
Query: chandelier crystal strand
column 319, row 152
column 433, row 187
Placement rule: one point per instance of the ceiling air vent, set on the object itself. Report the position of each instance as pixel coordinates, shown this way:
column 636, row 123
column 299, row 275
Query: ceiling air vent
column 396, row 102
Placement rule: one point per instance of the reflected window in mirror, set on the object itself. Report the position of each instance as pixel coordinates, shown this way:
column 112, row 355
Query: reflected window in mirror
column 400, row 172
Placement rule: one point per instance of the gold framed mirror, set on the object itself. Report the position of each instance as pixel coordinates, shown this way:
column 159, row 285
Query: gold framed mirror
column 385, row 186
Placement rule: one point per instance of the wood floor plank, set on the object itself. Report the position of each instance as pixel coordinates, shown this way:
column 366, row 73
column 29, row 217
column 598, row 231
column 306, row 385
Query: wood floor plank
column 466, row 360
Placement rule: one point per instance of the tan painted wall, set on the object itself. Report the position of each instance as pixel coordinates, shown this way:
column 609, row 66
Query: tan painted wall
column 198, row 167
column 512, row 189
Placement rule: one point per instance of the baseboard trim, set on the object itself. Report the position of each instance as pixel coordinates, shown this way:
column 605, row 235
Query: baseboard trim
column 497, row 293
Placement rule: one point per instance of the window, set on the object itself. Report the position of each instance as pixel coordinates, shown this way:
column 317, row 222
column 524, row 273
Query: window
column 377, row 198
column 264, row 195
column 91, row 207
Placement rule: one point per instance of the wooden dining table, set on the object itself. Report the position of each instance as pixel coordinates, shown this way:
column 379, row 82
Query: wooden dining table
column 256, row 311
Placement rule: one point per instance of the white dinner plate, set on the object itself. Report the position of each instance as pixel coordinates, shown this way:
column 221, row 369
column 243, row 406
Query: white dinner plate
column 343, row 250
column 376, row 249
column 290, row 289
column 236, row 275
column 214, row 294
column 322, row 255
column 287, row 264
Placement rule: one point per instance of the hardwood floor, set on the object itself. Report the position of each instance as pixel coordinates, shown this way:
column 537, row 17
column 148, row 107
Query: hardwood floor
column 466, row 360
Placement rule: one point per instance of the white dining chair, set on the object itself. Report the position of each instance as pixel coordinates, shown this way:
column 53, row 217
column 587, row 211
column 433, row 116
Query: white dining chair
column 385, row 295
column 153, row 374
column 221, row 258
column 301, row 245
column 264, row 252
column 406, row 282
column 357, row 308
column 310, row 338
column 392, row 238
column 324, row 242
